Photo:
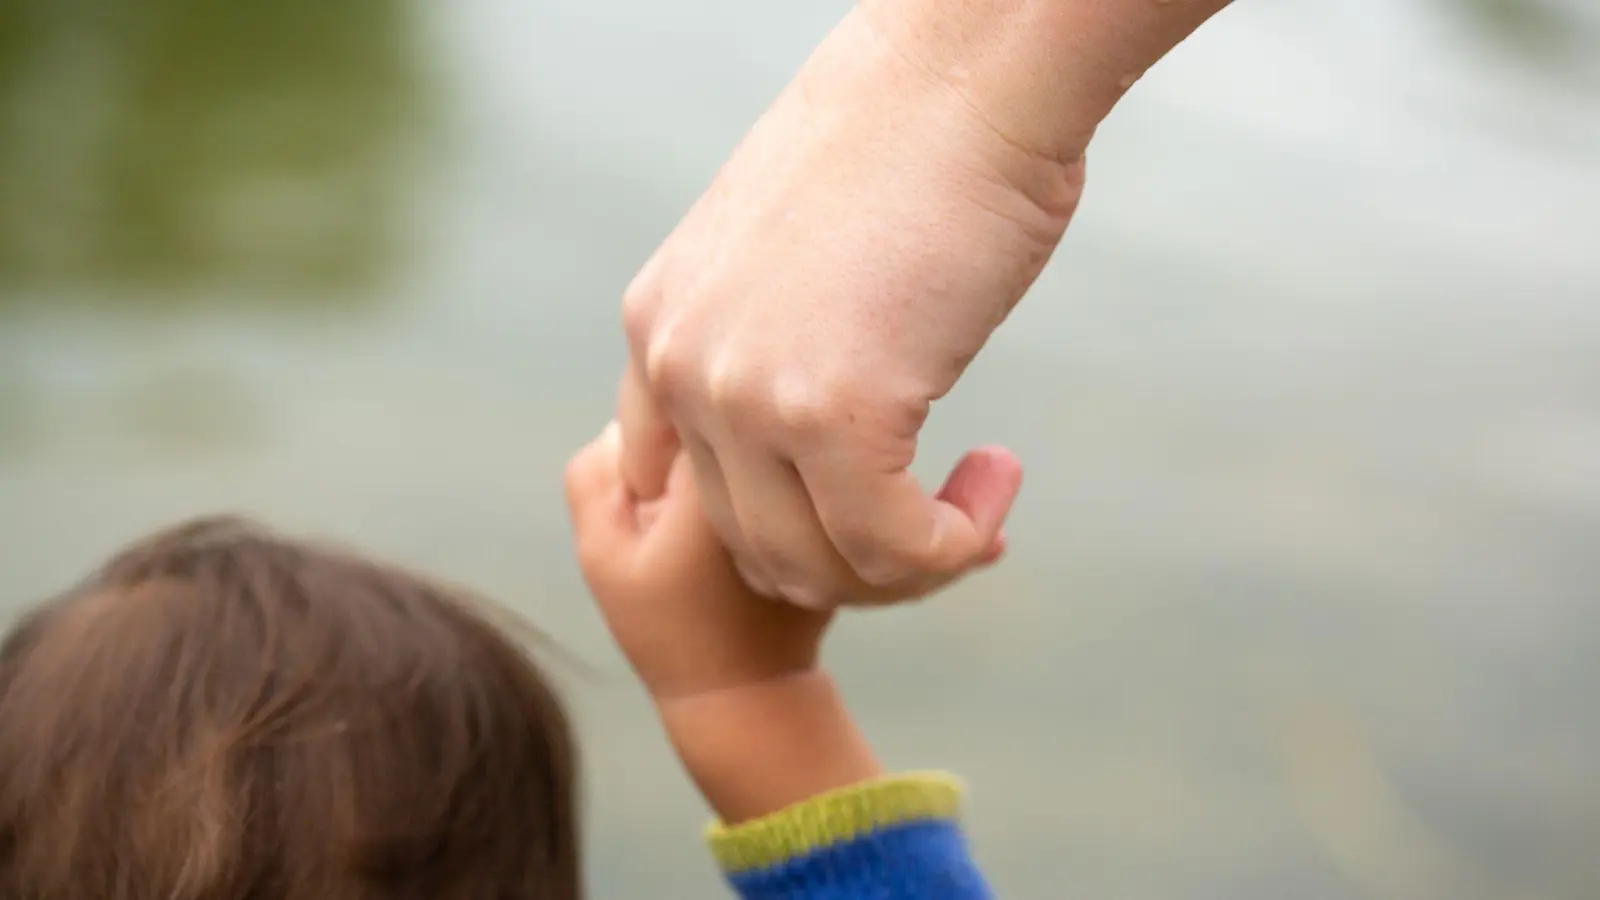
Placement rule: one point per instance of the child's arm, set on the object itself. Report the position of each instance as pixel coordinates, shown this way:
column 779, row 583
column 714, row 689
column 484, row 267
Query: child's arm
column 758, row 749
column 804, row 808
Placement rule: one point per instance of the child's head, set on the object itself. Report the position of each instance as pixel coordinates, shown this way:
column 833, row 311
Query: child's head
column 223, row 713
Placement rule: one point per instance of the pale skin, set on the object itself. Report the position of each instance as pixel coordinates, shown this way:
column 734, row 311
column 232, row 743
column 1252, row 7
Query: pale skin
column 850, row 259
column 756, row 721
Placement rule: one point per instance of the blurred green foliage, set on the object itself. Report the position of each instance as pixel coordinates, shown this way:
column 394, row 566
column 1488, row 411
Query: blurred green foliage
column 177, row 150
column 1548, row 31
column 253, row 145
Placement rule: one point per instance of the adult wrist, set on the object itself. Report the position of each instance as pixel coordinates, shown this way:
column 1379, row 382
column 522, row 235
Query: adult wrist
column 1043, row 73
column 876, row 95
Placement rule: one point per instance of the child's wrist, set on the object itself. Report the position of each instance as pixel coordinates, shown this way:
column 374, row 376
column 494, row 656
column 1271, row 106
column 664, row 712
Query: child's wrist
column 758, row 748
column 739, row 677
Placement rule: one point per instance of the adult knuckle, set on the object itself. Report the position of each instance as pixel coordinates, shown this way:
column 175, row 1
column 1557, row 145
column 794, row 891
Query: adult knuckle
column 805, row 415
column 807, row 406
column 729, row 384
column 638, row 321
column 641, row 302
column 669, row 364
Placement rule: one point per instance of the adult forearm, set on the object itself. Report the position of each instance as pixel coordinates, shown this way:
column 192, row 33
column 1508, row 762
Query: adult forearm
column 1043, row 73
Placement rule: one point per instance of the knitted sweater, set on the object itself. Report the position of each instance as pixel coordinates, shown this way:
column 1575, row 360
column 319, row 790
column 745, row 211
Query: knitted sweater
column 895, row 838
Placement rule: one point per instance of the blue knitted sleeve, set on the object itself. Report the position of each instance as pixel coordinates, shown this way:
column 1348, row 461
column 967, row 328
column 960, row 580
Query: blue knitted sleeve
column 896, row 838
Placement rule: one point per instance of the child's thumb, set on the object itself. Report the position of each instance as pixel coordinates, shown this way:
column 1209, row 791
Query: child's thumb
column 649, row 442
column 596, row 500
column 676, row 525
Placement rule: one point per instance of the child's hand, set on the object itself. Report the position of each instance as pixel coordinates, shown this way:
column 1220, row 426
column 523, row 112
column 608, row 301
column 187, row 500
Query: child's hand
column 668, row 589
column 734, row 675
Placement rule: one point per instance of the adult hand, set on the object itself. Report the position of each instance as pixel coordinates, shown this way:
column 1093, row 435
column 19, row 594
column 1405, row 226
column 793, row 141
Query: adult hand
column 847, row 263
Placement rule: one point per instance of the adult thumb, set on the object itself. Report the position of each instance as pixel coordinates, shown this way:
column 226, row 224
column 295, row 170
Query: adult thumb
column 983, row 486
column 649, row 441
column 892, row 533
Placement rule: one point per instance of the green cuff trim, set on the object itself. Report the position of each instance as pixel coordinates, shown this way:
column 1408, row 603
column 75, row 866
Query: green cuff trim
column 835, row 817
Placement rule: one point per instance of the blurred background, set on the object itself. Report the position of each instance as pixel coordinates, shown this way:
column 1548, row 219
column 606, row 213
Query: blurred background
column 1305, row 592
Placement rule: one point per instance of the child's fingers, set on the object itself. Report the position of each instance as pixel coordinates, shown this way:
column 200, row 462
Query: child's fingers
column 681, row 529
column 596, row 499
column 592, row 470
column 649, row 442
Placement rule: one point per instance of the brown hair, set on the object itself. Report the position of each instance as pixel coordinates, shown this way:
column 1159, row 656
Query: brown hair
column 223, row 714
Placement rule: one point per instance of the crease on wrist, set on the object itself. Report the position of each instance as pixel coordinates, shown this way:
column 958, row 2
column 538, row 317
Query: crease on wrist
column 908, row 55
column 669, row 701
